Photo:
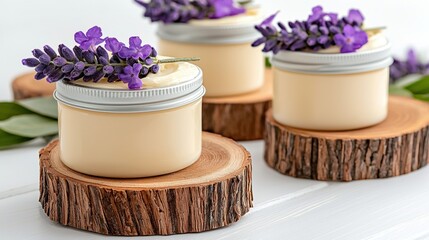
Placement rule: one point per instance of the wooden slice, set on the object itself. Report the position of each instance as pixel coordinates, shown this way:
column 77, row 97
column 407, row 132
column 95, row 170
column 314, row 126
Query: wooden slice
column 239, row 117
column 25, row 86
column 397, row 146
column 212, row 193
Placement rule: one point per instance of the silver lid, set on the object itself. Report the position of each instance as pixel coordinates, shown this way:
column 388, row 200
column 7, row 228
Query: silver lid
column 188, row 33
column 123, row 100
column 339, row 63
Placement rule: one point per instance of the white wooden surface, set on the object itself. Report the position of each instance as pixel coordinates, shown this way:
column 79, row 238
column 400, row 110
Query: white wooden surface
column 285, row 208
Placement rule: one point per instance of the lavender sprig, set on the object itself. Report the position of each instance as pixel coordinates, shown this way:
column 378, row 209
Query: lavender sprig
column 90, row 62
column 320, row 31
column 182, row 11
column 411, row 65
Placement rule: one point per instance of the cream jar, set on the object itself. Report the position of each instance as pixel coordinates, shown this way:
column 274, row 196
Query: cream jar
column 230, row 65
column 339, row 91
column 121, row 133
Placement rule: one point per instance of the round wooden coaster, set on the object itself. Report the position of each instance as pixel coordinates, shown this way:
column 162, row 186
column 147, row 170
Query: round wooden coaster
column 25, row 86
column 397, row 146
column 239, row 117
column 212, row 193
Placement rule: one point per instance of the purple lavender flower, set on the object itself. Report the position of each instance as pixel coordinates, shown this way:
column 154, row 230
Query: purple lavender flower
column 411, row 65
column 113, row 45
column 318, row 15
column 89, row 40
column 351, row 39
column 355, row 17
column 127, row 64
column 320, row 31
column 224, row 8
column 171, row 11
column 130, row 75
column 135, row 50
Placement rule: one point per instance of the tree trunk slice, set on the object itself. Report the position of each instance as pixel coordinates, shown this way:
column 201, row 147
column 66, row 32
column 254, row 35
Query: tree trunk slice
column 239, row 117
column 25, row 86
column 212, row 193
column 397, row 146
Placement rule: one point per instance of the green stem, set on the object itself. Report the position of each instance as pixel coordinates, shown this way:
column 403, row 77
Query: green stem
column 156, row 61
column 172, row 60
column 374, row 29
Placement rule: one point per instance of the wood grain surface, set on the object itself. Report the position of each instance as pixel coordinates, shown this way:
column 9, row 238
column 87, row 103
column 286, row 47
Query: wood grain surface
column 212, row 193
column 397, row 146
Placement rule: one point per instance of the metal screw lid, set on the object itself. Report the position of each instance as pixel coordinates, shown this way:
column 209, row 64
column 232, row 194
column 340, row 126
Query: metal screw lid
column 124, row 100
column 340, row 63
column 188, row 33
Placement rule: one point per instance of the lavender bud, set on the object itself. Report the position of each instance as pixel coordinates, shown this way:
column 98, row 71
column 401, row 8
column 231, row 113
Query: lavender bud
column 45, row 59
column 89, row 56
column 49, row 69
column 101, row 52
column 40, row 68
column 89, row 71
column 154, row 68
column 68, row 54
column 37, row 53
column 259, row 41
column 112, row 78
column 98, row 75
column 323, row 39
column 39, row 76
column 108, row 69
column 311, row 41
column 48, row 50
column 78, row 52
column 131, row 61
column 79, row 66
column 324, row 30
column 103, row 61
column 30, row 62
column 55, row 76
column 148, row 61
column 87, row 78
column 281, row 26
column 154, row 53
column 144, row 72
column 67, row 68
column 75, row 74
column 59, row 61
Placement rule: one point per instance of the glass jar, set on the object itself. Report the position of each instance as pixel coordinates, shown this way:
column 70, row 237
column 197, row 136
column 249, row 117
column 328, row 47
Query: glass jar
column 231, row 66
column 331, row 91
column 123, row 133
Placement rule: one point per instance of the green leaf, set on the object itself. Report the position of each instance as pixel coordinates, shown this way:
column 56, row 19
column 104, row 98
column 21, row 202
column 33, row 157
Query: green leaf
column 46, row 106
column 420, row 86
column 10, row 109
column 29, row 125
column 423, row 97
column 267, row 62
column 8, row 140
column 395, row 90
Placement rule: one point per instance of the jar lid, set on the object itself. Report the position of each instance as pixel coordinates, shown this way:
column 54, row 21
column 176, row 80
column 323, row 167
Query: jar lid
column 124, row 100
column 338, row 63
column 188, row 33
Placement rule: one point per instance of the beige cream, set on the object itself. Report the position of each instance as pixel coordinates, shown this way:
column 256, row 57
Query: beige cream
column 330, row 101
column 229, row 69
column 129, row 145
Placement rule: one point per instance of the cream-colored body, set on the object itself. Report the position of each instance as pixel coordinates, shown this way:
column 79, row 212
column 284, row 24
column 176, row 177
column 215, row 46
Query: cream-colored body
column 229, row 69
column 130, row 145
column 330, row 102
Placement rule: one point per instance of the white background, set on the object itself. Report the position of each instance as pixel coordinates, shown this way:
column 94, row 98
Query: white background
column 25, row 25
column 285, row 208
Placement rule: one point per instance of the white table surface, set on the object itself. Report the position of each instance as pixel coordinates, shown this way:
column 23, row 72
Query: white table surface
column 284, row 207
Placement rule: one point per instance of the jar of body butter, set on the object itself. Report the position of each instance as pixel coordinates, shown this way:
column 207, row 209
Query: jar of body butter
column 109, row 131
column 331, row 91
column 230, row 65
